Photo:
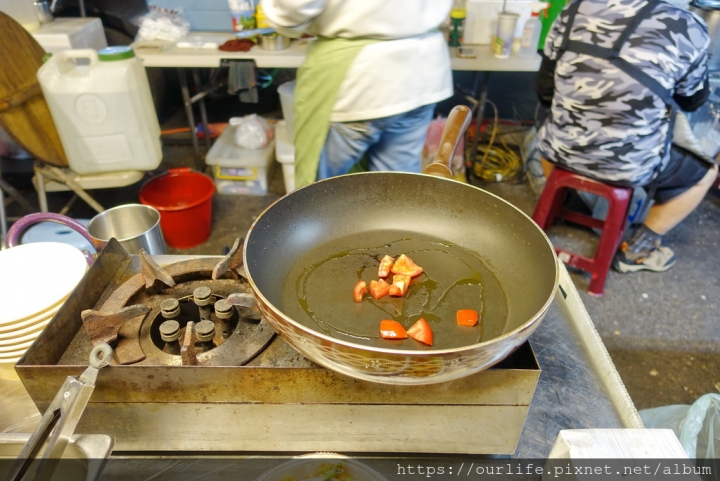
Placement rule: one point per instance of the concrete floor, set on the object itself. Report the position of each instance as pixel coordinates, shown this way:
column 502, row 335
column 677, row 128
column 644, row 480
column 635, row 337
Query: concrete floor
column 662, row 330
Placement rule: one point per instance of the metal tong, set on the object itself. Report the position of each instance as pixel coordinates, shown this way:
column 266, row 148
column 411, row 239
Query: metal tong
column 59, row 421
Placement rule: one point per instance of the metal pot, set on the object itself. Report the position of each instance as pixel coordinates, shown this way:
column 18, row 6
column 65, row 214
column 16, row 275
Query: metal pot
column 135, row 226
column 274, row 42
column 369, row 210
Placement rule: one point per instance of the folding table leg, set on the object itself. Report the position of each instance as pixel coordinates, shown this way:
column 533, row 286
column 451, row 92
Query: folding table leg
column 190, row 117
column 42, row 195
column 203, row 110
column 482, row 79
column 75, row 187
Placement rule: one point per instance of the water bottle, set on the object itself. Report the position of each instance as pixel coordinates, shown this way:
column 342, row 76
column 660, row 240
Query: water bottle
column 531, row 32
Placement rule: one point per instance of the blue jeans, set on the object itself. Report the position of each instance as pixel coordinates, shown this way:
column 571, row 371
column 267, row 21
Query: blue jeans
column 390, row 144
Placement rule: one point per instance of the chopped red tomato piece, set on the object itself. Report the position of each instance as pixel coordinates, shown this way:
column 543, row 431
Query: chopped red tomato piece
column 390, row 329
column 467, row 317
column 400, row 285
column 379, row 288
column 421, row 331
column 385, row 265
column 405, row 266
column 359, row 291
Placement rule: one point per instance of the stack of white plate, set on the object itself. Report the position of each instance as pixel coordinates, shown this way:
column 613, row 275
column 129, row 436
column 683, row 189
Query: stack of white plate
column 35, row 280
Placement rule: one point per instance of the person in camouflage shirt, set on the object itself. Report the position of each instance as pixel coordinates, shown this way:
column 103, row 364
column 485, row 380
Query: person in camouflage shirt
column 606, row 124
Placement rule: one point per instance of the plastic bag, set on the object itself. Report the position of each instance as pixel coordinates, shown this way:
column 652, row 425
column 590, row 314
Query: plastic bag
column 700, row 435
column 251, row 131
column 163, row 24
column 696, row 426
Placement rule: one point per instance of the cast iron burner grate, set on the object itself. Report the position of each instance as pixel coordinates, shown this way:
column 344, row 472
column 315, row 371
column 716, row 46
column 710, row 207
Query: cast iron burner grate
column 196, row 321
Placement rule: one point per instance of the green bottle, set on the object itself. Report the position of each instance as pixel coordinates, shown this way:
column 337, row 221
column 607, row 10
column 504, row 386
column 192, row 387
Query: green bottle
column 457, row 23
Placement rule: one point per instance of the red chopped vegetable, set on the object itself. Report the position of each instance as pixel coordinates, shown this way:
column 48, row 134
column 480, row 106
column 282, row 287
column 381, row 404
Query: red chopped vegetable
column 385, row 265
column 421, row 331
column 379, row 288
column 359, row 291
column 400, row 285
column 405, row 266
column 390, row 329
column 467, row 317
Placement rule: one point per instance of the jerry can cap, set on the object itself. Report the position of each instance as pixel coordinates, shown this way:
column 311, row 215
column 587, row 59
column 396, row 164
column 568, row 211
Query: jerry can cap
column 117, row 52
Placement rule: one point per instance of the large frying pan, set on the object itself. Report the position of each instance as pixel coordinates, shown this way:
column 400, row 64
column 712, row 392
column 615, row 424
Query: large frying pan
column 305, row 252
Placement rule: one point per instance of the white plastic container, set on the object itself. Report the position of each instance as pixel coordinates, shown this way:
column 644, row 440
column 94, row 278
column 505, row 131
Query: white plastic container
column 287, row 103
column 239, row 171
column 23, row 12
column 71, row 33
column 285, row 154
column 103, row 109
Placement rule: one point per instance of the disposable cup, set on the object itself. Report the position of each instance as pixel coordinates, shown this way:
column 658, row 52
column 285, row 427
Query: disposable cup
column 507, row 21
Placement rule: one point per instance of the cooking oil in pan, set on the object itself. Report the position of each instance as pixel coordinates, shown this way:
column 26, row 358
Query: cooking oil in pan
column 319, row 292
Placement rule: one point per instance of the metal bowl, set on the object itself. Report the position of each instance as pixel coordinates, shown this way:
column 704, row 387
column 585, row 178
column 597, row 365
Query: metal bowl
column 274, row 42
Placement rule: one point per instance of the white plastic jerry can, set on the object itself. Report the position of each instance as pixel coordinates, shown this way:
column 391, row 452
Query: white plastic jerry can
column 103, row 109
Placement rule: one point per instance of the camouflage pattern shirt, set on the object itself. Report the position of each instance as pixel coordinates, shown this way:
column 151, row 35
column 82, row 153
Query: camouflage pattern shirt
column 603, row 123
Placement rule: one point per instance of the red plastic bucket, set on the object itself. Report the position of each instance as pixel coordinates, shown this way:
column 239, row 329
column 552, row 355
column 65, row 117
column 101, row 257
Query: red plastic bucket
column 184, row 199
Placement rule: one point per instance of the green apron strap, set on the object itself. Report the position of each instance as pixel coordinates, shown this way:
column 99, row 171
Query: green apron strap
column 318, row 83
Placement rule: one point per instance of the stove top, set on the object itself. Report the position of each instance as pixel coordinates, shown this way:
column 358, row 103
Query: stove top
column 194, row 366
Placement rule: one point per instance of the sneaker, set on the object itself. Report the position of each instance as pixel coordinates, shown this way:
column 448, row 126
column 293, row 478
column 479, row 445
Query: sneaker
column 658, row 259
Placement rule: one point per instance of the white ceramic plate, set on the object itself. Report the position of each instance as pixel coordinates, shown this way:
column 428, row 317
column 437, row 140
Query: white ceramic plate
column 46, row 316
column 16, row 347
column 36, row 277
column 22, row 335
column 7, row 356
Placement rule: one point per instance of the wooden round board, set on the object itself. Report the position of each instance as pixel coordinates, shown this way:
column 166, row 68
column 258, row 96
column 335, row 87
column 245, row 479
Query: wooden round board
column 24, row 114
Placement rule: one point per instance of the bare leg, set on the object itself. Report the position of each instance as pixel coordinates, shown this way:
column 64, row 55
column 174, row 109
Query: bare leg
column 665, row 216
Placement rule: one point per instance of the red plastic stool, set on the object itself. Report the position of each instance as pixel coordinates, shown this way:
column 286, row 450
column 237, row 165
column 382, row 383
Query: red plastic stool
column 550, row 206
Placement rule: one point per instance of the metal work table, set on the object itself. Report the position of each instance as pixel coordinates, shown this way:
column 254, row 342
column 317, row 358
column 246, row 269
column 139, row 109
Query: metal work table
column 169, row 55
column 578, row 388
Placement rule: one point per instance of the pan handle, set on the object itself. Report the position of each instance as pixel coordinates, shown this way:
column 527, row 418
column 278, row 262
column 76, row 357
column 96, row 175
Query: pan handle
column 455, row 126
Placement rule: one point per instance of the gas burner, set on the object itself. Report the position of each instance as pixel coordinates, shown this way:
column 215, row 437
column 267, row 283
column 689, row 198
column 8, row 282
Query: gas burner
column 194, row 321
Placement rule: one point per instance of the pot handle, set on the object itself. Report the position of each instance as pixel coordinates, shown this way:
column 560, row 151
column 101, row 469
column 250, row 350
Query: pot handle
column 16, row 230
column 455, row 126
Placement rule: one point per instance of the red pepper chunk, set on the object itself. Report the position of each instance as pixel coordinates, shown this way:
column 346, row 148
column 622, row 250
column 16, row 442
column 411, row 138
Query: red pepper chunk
column 385, row 265
column 359, row 291
column 406, row 267
column 421, row 331
column 379, row 288
column 400, row 285
column 467, row 317
column 390, row 329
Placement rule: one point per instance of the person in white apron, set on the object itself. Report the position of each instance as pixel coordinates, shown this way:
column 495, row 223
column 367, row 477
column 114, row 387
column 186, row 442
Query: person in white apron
column 369, row 83
column 615, row 76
